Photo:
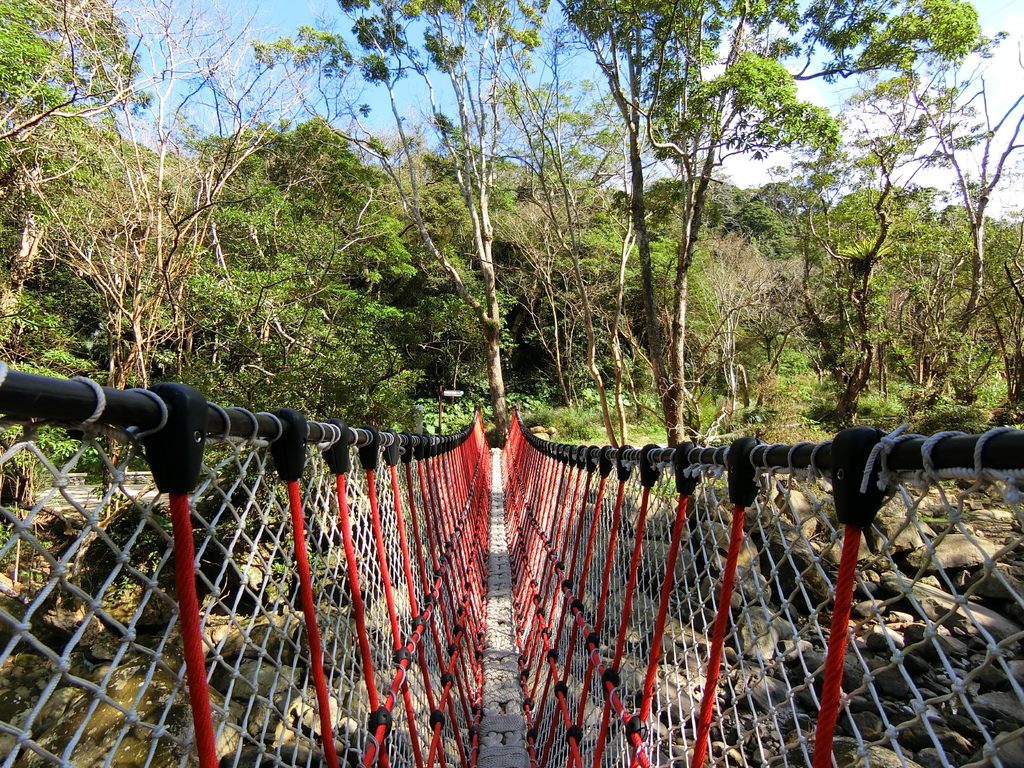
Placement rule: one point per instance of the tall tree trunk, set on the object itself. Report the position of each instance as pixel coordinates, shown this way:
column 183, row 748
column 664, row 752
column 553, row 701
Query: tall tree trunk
column 496, row 382
column 638, row 211
column 492, row 329
column 674, row 396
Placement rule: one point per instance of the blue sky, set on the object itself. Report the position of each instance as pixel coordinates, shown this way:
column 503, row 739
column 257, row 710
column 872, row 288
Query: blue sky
column 1004, row 73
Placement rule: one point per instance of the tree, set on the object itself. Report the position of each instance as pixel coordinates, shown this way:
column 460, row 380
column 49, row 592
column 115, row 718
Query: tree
column 858, row 201
column 61, row 64
column 60, row 60
column 976, row 140
column 570, row 148
column 469, row 47
column 704, row 81
column 149, row 175
column 301, row 299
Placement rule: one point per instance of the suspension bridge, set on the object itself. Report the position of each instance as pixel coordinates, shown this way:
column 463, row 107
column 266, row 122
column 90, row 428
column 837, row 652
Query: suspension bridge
column 288, row 592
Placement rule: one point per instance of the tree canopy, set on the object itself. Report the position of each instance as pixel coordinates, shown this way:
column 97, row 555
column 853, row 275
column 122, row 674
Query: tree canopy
column 525, row 202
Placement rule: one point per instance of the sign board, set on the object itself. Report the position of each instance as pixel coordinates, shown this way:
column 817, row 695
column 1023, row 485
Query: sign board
column 453, row 393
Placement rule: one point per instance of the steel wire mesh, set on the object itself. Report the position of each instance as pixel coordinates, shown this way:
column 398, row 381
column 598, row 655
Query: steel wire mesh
column 934, row 672
column 91, row 665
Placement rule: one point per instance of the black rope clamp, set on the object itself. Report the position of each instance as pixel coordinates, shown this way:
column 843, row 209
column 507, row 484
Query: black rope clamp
column 527, row 704
column 458, row 629
column 581, row 458
column 369, row 454
column 593, row 640
column 447, row 679
column 531, row 735
column 604, row 462
column 742, row 474
column 561, row 689
column 402, row 654
column 611, row 675
column 649, row 474
column 175, row 453
column 337, row 456
column 685, row 484
column 407, row 441
column 577, row 606
column 622, row 469
column 567, row 585
column 437, row 718
column 574, row 733
column 593, row 452
column 453, row 649
column 553, row 656
column 289, row 449
column 380, row 717
column 393, row 452
column 851, row 450
column 634, row 725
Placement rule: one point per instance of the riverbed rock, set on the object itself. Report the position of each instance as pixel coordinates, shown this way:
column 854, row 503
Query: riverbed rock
column 955, row 550
column 106, row 725
column 942, row 607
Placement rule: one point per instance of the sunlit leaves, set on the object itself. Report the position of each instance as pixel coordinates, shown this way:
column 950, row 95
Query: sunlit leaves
column 310, row 46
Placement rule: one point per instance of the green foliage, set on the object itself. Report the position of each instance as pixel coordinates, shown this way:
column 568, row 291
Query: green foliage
column 571, row 425
column 303, row 280
column 944, row 415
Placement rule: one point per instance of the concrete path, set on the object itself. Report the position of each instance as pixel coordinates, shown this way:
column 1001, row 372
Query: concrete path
column 503, row 725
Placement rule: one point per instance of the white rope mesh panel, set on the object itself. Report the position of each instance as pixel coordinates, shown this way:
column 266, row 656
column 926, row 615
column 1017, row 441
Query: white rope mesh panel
column 934, row 670
column 91, row 667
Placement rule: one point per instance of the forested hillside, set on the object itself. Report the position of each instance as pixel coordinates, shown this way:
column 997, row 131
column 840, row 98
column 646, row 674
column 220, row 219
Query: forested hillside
column 523, row 202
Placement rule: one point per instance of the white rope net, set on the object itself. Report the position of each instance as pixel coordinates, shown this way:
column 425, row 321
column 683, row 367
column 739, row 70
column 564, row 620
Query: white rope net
column 934, row 670
column 91, row 664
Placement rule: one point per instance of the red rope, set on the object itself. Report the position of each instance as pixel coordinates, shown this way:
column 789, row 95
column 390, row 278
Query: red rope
column 414, row 517
column 312, row 631
column 627, row 606
column 614, row 702
column 634, row 568
column 396, row 500
column 459, row 511
column 610, row 561
column 603, row 599
column 358, row 608
column 382, row 557
column 192, row 639
column 707, row 704
column 838, row 635
column 666, row 594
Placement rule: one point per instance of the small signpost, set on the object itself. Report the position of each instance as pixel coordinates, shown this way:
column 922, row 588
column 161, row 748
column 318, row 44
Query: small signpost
column 442, row 394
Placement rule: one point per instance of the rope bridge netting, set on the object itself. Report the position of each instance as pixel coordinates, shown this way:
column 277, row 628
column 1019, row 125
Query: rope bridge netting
column 303, row 607
column 182, row 583
column 859, row 601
